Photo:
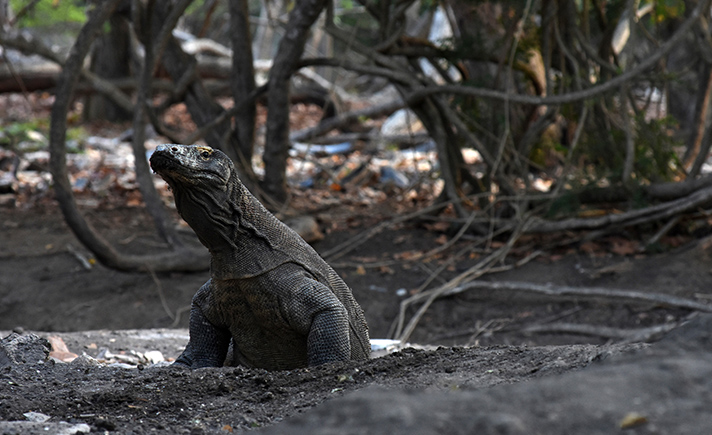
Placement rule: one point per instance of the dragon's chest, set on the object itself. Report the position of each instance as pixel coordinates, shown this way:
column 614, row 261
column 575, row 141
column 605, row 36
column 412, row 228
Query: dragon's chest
column 242, row 305
column 261, row 329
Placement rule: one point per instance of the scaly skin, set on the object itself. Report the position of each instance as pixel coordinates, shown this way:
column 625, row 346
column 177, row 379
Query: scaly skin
column 270, row 293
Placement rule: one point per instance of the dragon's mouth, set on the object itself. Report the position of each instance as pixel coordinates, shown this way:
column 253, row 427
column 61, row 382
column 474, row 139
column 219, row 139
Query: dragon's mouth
column 168, row 167
column 162, row 162
column 174, row 171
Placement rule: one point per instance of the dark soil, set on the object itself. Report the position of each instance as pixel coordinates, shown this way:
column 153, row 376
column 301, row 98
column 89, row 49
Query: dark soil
column 477, row 371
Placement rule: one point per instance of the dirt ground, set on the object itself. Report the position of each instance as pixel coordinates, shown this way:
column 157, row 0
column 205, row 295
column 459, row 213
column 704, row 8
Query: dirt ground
column 501, row 361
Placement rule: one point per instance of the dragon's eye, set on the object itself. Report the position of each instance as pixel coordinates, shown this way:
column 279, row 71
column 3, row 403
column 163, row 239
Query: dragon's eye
column 205, row 154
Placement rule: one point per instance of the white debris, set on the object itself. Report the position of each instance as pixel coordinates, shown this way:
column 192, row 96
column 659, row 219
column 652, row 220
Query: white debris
column 36, row 416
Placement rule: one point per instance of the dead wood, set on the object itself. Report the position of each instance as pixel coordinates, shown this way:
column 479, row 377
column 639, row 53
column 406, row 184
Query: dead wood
column 482, row 267
column 456, row 286
column 569, row 292
column 626, row 335
column 653, row 213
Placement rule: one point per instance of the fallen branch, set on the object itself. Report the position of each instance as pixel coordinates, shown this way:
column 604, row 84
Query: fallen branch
column 626, row 335
column 581, row 292
column 449, row 289
column 479, row 269
column 635, row 217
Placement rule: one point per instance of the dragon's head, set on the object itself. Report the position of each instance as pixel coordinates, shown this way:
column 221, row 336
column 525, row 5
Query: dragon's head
column 185, row 166
column 202, row 180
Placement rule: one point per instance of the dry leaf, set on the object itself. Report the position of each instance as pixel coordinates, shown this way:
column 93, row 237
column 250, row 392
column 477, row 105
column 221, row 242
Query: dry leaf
column 385, row 270
column 624, row 247
column 401, row 239
column 440, row 226
column 590, row 247
column 592, row 213
column 57, row 343
column 360, row 270
column 441, row 240
column 633, row 419
column 60, row 350
column 408, row 255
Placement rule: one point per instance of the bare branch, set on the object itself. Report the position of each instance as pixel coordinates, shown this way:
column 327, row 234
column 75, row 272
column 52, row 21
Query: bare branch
column 430, row 296
column 575, row 96
column 177, row 260
column 634, row 217
column 627, row 335
column 577, row 293
column 346, row 118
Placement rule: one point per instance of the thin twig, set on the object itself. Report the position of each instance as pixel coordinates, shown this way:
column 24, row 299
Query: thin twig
column 482, row 267
column 81, row 258
column 664, row 230
column 499, row 324
column 179, row 312
column 159, row 290
column 356, row 241
column 424, row 255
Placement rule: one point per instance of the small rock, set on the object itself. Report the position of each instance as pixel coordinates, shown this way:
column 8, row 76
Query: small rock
column 306, row 227
column 85, row 360
column 154, row 356
column 8, row 183
column 23, row 349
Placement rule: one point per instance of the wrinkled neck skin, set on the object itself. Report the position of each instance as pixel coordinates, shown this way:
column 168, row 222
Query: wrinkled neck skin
column 215, row 214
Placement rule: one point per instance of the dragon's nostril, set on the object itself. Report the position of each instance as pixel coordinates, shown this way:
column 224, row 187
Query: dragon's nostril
column 174, row 149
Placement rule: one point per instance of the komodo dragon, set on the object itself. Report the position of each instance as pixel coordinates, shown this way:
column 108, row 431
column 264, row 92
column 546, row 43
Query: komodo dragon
column 281, row 304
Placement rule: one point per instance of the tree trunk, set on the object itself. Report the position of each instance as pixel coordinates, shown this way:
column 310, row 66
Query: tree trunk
column 285, row 62
column 696, row 153
column 201, row 106
column 110, row 60
column 242, row 82
column 151, row 198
